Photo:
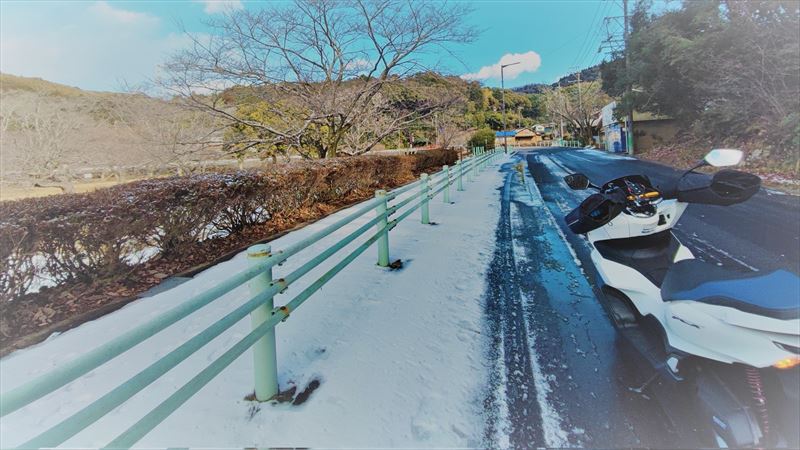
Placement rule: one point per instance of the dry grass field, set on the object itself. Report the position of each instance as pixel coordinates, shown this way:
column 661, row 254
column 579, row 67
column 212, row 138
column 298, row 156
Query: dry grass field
column 20, row 192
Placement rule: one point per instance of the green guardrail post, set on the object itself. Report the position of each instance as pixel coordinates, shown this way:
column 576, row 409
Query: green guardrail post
column 383, row 241
column 446, row 195
column 265, row 361
column 425, row 192
column 460, row 176
column 474, row 170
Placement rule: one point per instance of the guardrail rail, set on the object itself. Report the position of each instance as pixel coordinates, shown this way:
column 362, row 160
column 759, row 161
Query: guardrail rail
column 260, row 307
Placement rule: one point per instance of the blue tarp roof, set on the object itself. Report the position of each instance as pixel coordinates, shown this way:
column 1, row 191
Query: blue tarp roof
column 511, row 133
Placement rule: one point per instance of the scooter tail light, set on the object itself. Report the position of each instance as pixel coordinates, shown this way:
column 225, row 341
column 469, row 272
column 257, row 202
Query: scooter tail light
column 787, row 363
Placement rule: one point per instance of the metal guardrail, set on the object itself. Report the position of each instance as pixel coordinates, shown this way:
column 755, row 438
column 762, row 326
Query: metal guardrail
column 264, row 316
column 575, row 144
column 556, row 143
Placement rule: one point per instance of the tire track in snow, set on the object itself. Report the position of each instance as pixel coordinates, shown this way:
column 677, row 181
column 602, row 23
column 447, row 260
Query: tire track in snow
column 509, row 336
column 552, row 422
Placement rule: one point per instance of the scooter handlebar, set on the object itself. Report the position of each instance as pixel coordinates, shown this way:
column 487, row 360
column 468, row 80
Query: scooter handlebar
column 726, row 187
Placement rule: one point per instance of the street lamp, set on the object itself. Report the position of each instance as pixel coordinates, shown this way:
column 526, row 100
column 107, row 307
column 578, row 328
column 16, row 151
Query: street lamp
column 503, row 95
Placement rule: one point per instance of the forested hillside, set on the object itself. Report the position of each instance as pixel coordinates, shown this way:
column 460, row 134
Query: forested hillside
column 728, row 72
column 584, row 75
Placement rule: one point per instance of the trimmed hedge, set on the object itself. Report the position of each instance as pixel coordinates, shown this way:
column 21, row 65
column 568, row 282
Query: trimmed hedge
column 99, row 237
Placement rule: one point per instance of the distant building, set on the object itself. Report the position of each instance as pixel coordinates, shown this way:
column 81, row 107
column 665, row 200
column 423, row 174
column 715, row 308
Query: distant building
column 546, row 131
column 613, row 130
column 521, row 137
column 649, row 130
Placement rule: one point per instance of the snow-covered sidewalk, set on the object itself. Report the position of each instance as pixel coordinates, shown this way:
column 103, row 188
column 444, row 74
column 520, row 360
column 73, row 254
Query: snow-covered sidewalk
column 399, row 354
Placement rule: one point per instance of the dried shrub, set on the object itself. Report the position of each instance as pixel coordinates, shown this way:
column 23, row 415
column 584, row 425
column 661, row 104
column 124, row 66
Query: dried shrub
column 17, row 247
column 98, row 237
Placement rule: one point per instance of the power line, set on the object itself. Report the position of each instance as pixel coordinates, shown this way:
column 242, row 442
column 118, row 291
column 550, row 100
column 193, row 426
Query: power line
column 615, row 31
column 593, row 34
column 589, row 31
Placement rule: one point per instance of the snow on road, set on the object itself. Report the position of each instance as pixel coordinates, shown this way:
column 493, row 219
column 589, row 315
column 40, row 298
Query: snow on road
column 556, row 169
column 606, row 155
column 552, row 424
column 398, row 353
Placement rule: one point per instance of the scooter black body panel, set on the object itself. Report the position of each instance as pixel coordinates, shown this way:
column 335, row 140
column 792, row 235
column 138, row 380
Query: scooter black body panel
column 709, row 398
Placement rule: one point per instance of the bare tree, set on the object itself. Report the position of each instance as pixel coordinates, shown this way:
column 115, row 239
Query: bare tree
column 400, row 107
column 171, row 136
column 577, row 104
column 313, row 70
column 449, row 126
column 7, row 113
column 41, row 134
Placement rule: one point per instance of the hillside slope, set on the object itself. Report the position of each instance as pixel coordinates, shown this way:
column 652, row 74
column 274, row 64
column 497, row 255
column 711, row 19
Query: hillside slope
column 50, row 128
column 587, row 74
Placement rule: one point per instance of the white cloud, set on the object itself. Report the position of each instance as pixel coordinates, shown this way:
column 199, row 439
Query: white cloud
column 93, row 47
column 528, row 62
column 110, row 13
column 358, row 64
column 220, row 6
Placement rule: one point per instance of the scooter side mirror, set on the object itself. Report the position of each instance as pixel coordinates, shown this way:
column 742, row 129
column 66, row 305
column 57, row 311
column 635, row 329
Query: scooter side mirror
column 577, row 181
column 723, row 157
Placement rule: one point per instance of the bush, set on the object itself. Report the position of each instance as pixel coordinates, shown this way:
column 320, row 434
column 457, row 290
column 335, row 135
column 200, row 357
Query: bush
column 99, row 237
column 482, row 138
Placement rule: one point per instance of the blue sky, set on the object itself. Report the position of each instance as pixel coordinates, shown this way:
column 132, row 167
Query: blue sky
column 101, row 45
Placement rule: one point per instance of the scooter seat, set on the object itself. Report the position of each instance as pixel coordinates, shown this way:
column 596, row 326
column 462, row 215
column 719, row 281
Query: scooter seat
column 775, row 294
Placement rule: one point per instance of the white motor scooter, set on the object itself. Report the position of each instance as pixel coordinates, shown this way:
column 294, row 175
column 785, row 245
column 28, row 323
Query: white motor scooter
column 734, row 337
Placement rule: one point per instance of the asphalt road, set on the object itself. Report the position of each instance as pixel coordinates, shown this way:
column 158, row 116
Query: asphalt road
column 562, row 376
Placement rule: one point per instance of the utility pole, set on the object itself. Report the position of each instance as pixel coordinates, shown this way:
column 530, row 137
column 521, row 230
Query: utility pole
column 629, row 118
column 578, row 73
column 616, row 44
column 503, row 96
column 580, row 97
column 561, row 118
